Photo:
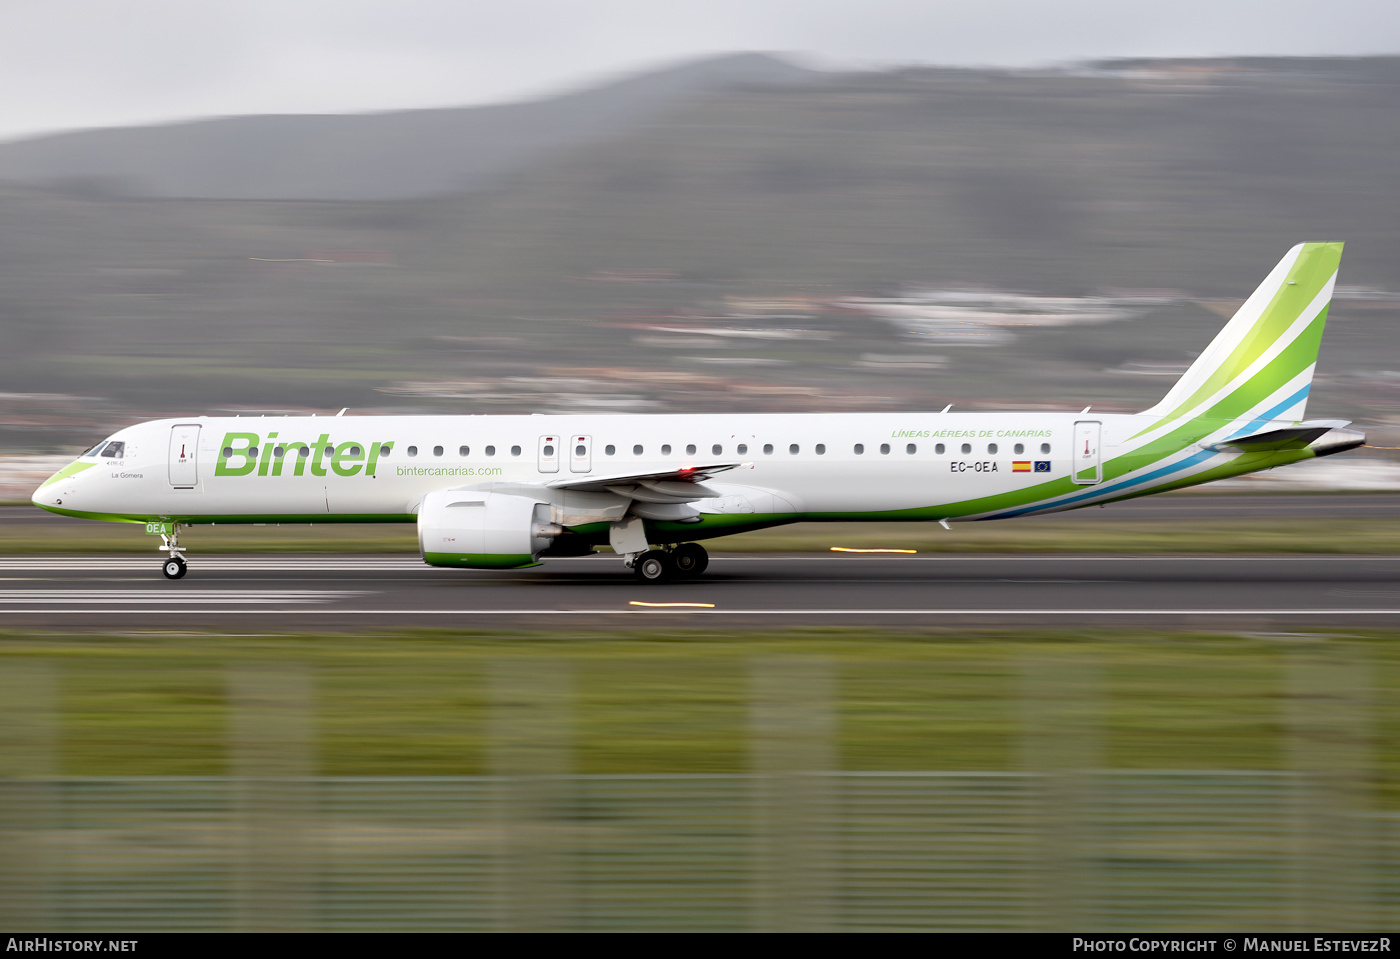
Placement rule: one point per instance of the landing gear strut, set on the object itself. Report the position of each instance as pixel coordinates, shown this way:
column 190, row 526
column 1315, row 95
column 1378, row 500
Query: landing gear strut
column 174, row 566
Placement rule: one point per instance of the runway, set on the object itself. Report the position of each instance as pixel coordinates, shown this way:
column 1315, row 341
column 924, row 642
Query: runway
column 388, row 592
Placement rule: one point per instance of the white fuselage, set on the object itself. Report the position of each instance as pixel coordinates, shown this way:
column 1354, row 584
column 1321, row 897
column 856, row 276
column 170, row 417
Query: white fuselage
column 368, row 468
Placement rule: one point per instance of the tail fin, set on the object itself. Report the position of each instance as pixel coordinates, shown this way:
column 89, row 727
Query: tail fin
column 1260, row 365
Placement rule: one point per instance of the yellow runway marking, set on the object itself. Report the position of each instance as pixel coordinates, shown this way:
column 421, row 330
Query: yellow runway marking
column 636, row 602
column 848, row 549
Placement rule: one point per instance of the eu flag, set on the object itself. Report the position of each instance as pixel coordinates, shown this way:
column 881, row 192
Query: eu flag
column 1042, row 466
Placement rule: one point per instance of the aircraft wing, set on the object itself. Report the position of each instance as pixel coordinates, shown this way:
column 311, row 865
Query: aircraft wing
column 666, row 486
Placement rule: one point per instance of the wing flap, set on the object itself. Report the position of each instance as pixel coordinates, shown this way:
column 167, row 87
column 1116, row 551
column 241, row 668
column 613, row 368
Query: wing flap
column 666, row 483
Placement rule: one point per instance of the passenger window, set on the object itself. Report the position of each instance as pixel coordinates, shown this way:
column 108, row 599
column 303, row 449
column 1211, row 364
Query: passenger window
column 304, row 452
column 884, row 448
column 228, row 451
column 665, row 449
column 860, row 448
column 939, row 448
column 383, row 450
column 580, row 451
column 637, row 450
column 355, row 451
column 1019, row 448
column 966, row 447
column 1045, row 447
column 610, row 449
column 911, row 449
column 490, row 451
column 464, row 451
column 793, row 449
column 742, row 449
column 437, row 450
column 716, row 449
column 279, row 451
column 548, row 450
column 992, row 448
column 690, row 450
column 821, row 449
column 768, row 449
column 412, row 451
column 515, row 451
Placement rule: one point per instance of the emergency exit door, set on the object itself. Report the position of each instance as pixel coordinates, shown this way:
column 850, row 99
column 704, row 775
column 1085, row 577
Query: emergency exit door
column 549, row 453
column 184, row 450
column 580, row 454
column 1087, row 468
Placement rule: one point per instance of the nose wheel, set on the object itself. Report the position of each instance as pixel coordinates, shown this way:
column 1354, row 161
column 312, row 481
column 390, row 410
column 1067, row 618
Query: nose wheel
column 174, row 566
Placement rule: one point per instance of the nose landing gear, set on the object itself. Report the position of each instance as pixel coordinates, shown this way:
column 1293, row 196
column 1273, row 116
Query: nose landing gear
column 174, row 566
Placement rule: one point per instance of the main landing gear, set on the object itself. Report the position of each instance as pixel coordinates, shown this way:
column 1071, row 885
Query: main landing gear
column 685, row 561
column 173, row 567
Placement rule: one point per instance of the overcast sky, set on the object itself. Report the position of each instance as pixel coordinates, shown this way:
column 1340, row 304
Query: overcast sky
column 83, row 63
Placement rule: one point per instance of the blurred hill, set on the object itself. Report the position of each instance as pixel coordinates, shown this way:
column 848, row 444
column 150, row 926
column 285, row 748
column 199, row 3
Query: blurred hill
column 378, row 156
column 704, row 254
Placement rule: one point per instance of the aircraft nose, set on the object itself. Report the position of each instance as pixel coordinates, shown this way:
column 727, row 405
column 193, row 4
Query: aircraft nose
column 51, row 492
column 46, row 495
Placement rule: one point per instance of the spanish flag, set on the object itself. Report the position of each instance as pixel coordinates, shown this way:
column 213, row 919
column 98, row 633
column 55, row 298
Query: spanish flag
column 1020, row 466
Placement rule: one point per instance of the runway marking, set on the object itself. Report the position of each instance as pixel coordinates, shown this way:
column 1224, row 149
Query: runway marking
column 850, row 549
column 176, row 597
column 637, row 602
column 1058, row 613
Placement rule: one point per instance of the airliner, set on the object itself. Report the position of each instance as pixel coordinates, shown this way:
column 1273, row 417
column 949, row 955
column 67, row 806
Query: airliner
column 505, row 492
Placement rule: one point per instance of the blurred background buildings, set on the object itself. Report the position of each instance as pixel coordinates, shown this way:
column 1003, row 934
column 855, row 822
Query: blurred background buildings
column 736, row 233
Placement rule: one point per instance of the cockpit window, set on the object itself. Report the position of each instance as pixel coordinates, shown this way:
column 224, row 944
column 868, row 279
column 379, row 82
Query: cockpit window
column 92, row 451
column 114, row 450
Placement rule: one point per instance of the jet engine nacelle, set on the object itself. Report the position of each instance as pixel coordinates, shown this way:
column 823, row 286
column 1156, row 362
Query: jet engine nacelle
column 481, row 530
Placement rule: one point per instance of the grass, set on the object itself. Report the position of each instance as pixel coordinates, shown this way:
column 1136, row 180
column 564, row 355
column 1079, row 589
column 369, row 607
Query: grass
column 679, row 701
column 1067, row 533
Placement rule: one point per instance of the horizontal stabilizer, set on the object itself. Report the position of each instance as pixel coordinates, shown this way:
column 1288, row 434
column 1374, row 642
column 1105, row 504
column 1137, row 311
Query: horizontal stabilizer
column 1295, row 436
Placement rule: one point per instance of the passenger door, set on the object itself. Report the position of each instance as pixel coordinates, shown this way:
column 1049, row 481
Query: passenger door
column 184, row 451
column 1087, row 469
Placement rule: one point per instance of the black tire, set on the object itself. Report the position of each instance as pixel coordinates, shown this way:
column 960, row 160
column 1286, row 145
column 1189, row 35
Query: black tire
column 173, row 568
column 654, row 566
column 690, row 559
